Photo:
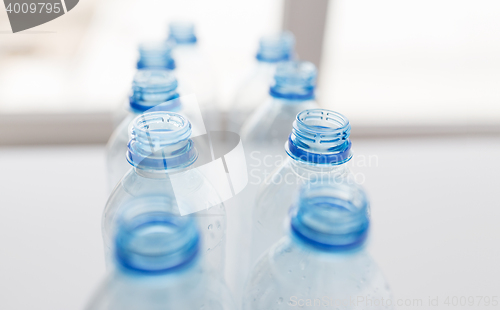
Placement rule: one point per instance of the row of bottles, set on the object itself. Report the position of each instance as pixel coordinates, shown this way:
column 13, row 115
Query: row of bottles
column 159, row 261
column 297, row 231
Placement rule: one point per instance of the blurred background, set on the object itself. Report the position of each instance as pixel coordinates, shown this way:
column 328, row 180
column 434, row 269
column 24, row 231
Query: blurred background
column 419, row 81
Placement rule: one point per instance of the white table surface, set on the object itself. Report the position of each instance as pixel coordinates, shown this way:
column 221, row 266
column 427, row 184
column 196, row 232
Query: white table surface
column 435, row 212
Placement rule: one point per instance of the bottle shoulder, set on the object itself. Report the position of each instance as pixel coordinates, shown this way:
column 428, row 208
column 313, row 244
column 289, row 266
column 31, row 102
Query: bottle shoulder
column 272, row 121
column 288, row 270
column 287, row 179
column 173, row 191
column 183, row 182
column 188, row 290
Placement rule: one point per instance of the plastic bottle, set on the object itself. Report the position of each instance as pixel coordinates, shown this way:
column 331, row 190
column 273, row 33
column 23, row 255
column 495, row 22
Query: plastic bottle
column 149, row 89
column 152, row 56
column 193, row 71
column 318, row 150
column 263, row 136
column 293, row 91
column 322, row 262
column 255, row 88
column 158, row 265
column 164, row 157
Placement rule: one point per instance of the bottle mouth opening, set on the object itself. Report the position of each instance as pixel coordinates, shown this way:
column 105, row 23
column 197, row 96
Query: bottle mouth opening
column 320, row 136
column 322, row 121
column 294, row 80
column 155, row 241
column 332, row 215
column 274, row 48
column 155, row 48
column 296, row 72
column 170, row 126
column 154, row 81
column 160, row 141
column 152, row 87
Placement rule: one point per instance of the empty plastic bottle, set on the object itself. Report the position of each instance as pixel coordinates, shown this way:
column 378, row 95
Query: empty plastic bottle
column 255, row 88
column 292, row 92
column 193, row 70
column 152, row 56
column 318, row 150
column 263, row 136
column 163, row 157
column 322, row 262
column 158, row 265
column 149, row 89
column 268, row 128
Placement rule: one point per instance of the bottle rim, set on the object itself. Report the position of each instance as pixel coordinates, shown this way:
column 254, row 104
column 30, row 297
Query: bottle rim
column 320, row 136
column 161, row 140
column 294, row 80
column 156, row 55
column 276, row 48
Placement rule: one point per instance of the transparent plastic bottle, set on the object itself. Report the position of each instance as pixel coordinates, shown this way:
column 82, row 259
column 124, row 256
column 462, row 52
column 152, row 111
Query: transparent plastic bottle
column 263, row 136
column 255, row 88
column 193, row 71
column 322, row 262
column 318, row 150
column 157, row 265
column 163, row 157
column 293, row 91
column 149, row 89
column 152, row 56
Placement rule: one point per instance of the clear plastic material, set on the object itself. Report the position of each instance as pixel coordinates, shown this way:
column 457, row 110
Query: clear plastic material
column 149, row 89
column 291, row 275
column 158, row 265
column 264, row 136
column 318, row 149
column 163, row 157
column 322, row 262
column 255, row 88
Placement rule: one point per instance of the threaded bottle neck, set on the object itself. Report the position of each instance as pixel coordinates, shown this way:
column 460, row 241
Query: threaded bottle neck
column 152, row 87
column 331, row 216
column 276, row 48
column 294, row 80
column 154, row 241
column 320, row 136
column 182, row 33
column 156, row 55
column 161, row 141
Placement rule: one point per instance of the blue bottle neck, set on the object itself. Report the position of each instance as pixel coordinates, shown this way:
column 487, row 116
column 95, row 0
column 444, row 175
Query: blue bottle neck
column 320, row 137
column 294, row 81
column 161, row 141
column 294, row 93
column 182, row 33
column 331, row 217
column 153, row 87
column 273, row 49
column 156, row 55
